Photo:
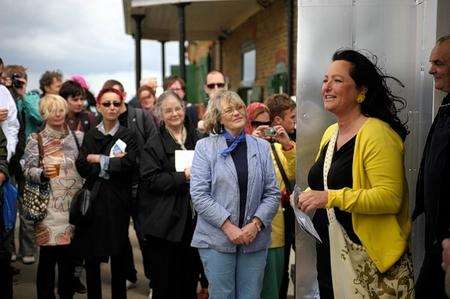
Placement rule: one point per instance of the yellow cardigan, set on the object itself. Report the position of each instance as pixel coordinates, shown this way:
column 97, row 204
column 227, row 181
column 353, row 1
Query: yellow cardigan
column 378, row 199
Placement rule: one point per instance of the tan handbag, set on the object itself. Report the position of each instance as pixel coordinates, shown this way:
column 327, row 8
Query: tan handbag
column 354, row 273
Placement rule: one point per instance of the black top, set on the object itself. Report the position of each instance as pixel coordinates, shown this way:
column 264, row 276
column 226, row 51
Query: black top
column 239, row 156
column 164, row 208
column 123, row 118
column 339, row 176
column 83, row 121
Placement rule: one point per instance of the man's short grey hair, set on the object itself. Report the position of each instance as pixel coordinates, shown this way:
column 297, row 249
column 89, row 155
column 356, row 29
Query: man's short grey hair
column 443, row 39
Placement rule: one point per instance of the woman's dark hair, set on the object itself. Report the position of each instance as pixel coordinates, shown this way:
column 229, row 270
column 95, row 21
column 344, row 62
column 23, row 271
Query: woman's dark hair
column 379, row 102
column 71, row 89
column 90, row 98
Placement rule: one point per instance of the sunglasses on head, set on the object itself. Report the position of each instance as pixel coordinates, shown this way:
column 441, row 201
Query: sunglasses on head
column 107, row 104
column 256, row 124
column 213, row 85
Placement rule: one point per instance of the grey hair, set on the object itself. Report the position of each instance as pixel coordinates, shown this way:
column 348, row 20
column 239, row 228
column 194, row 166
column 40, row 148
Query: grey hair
column 214, row 109
column 160, row 100
column 443, row 39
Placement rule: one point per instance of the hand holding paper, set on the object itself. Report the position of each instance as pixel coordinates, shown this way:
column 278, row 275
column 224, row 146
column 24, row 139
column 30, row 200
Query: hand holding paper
column 303, row 220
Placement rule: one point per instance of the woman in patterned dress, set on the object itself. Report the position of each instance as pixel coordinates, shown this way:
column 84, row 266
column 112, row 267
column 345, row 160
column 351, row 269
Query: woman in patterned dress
column 54, row 233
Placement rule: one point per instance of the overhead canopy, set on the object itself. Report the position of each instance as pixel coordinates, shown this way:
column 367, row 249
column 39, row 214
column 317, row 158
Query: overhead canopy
column 205, row 19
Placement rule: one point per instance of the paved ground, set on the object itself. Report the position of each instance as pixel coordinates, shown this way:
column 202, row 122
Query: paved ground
column 24, row 286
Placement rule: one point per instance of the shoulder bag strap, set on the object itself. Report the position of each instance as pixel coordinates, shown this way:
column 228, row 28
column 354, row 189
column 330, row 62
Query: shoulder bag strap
column 40, row 148
column 76, row 139
column 287, row 183
column 326, row 169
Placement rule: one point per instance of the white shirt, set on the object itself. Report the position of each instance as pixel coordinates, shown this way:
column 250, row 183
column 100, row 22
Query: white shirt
column 11, row 125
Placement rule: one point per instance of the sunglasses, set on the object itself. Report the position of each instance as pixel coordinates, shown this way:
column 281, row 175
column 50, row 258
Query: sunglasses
column 256, row 124
column 213, row 85
column 107, row 104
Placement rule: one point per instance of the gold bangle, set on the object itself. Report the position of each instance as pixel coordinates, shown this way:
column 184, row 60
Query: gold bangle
column 258, row 226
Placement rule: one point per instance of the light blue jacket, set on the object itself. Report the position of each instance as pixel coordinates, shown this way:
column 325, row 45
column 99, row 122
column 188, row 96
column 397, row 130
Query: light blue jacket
column 215, row 193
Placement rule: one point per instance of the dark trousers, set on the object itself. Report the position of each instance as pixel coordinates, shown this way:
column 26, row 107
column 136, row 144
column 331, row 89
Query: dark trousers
column 118, row 277
column 130, row 269
column 6, row 277
column 431, row 280
column 289, row 242
column 49, row 257
column 173, row 269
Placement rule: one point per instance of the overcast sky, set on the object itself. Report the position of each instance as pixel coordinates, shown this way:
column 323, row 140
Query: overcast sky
column 76, row 37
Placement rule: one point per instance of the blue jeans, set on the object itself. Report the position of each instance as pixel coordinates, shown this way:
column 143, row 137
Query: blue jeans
column 234, row 275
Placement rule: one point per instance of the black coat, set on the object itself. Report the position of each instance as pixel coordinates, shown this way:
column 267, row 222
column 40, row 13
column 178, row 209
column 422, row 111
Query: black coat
column 108, row 231
column 432, row 199
column 164, row 207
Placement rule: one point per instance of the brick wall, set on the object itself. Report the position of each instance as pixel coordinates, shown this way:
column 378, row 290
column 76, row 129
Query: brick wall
column 268, row 31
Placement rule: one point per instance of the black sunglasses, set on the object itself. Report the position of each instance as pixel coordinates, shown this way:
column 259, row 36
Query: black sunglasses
column 212, row 85
column 256, row 124
column 107, row 104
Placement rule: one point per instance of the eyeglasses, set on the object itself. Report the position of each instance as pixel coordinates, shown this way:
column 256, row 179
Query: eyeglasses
column 230, row 110
column 176, row 89
column 107, row 104
column 256, row 124
column 213, row 85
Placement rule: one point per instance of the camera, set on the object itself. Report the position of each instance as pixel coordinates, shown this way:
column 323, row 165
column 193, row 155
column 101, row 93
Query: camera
column 271, row 132
column 16, row 83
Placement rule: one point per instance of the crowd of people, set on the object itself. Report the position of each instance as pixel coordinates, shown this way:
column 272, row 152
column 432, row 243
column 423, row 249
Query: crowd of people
column 223, row 225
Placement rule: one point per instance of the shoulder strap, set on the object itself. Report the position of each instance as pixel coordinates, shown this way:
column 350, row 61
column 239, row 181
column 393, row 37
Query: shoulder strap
column 140, row 122
column 286, row 181
column 40, row 148
column 76, row 139
column 326, row 168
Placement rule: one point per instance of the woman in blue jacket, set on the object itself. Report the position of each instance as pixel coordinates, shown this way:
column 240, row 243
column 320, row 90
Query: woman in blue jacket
column 235, row 194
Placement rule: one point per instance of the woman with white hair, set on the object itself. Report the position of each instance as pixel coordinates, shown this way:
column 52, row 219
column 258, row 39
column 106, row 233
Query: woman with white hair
column 50, row 156
column 164, row 204
column 235, row 194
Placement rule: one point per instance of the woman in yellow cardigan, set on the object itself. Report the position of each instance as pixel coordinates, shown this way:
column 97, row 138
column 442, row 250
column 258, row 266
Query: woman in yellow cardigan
column 365, row 187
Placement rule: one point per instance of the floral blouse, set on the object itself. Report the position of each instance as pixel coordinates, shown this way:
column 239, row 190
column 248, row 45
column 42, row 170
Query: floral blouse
column 55, row 228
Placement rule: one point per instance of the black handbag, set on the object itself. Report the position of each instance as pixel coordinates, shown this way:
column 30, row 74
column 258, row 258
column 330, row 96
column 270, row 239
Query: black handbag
column 36, row 195
column 81, row 206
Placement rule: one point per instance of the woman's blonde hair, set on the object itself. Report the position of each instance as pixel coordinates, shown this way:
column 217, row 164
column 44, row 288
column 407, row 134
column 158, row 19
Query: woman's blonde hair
column 50, row 103
column 214, row 110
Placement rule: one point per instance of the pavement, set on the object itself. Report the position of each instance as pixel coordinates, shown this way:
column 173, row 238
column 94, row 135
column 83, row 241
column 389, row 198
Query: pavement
column 24, row 283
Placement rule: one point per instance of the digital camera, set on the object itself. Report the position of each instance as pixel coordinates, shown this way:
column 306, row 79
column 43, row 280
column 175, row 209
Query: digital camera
column 16, row 83
column 271, row 132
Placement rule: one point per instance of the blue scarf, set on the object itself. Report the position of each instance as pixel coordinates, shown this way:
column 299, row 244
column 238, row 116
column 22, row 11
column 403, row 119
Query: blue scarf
column 234, row 142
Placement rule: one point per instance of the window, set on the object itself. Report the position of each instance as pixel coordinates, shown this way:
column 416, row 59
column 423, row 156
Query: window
column 248, row 64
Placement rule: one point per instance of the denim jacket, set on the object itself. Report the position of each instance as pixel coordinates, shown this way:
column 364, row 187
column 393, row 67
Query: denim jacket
column 215, row 193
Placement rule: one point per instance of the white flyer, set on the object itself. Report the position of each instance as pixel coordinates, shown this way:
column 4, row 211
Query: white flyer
column 303, row 220
column 118, row 148
column 183, row 160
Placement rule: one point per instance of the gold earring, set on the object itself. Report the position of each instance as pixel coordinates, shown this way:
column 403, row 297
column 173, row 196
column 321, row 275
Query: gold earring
column 361, row 97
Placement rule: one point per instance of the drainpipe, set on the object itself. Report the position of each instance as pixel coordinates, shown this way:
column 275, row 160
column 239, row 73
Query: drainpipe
column 289, row 6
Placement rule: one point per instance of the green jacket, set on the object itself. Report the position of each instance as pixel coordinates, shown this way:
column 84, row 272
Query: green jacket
column 28, row 107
